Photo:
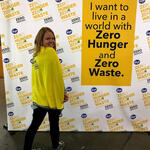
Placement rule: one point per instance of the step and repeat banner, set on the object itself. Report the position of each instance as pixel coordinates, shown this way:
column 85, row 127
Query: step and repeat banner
column 104, row 49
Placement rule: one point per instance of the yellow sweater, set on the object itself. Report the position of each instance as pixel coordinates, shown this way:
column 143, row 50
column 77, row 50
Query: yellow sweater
column 47, row 79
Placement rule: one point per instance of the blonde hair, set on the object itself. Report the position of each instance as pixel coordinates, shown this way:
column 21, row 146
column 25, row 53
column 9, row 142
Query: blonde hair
column 39, row 39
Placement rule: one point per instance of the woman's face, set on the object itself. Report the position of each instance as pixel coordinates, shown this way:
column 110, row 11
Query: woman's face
column 49, row 39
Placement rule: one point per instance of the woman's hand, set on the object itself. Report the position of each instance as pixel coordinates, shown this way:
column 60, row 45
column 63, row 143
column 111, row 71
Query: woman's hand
column 66, row 98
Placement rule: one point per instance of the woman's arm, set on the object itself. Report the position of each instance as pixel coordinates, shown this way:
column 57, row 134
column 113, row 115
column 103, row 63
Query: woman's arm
column 66, row 98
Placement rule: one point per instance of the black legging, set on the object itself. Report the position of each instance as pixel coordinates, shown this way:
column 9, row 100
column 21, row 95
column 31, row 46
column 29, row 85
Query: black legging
column 38, row 116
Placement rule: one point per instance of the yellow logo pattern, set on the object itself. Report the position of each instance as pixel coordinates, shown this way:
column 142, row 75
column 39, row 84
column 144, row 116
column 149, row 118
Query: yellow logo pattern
column 16, row 122
column 115, row 125
column 65, row 10
column 37, row 9
column 13, row 70
column 21, row 41
column 91, row 124
column 67, row 124
column 99, row 98
column 9, row 9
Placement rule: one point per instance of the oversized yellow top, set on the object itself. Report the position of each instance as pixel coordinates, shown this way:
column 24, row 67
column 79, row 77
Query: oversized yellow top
column 47, row 79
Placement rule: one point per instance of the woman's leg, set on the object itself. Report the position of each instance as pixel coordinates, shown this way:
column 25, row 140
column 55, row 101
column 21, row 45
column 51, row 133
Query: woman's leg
column 54, row 126
column 38, row 116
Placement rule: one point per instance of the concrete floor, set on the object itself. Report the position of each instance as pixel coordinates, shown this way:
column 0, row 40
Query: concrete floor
column 73, row 140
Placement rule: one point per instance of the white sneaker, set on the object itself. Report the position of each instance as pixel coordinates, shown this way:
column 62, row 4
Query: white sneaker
column 60, row 146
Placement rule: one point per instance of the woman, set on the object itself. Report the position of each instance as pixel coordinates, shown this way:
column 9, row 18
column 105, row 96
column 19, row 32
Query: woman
column 48, row 93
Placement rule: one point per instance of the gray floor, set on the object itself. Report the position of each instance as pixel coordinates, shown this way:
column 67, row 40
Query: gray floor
column 73, row 140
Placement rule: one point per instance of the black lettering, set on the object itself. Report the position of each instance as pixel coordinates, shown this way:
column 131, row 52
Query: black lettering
column 118, row 73
column 107, row 73
column 98, row 61
column 102, row 73
column 98, row 36
column 88, row 26
column 90, row 43
column 94, row 71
